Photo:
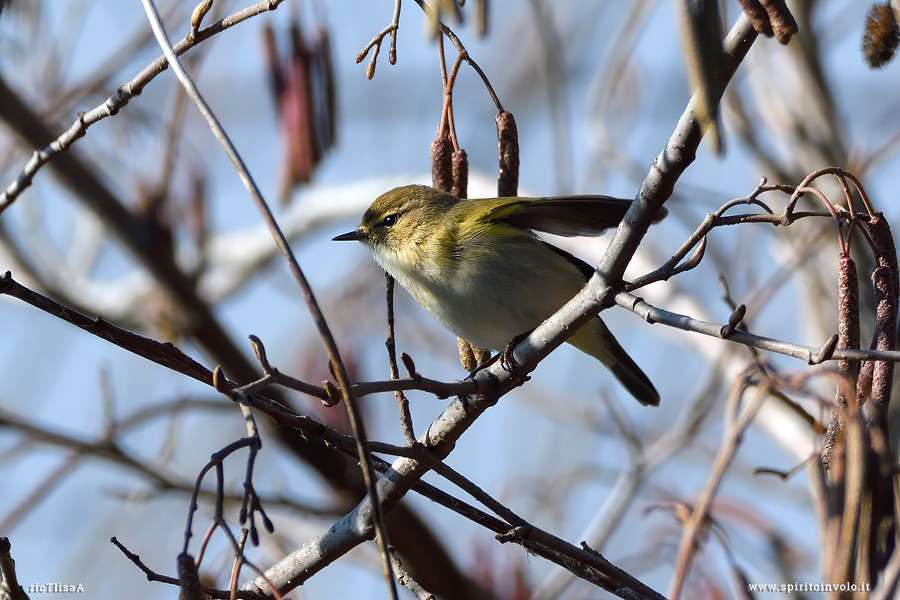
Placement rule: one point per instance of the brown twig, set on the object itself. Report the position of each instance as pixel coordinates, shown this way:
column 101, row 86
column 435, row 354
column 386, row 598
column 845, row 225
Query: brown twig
column 169, row 356
column 216, row 463
column 154, row 576
column 238, row 561
column 697, row 240
column 164, row 354
column 405, row 416
column 465, row 56
column 736, row 422
column 391, row 29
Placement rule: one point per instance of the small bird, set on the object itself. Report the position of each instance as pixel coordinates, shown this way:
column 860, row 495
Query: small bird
column 478, row 268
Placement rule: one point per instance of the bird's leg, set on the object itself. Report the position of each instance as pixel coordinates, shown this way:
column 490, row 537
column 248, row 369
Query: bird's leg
column 507, row 361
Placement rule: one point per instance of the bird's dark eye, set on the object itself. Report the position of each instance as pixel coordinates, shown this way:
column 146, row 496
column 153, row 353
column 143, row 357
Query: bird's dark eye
column 389, row 220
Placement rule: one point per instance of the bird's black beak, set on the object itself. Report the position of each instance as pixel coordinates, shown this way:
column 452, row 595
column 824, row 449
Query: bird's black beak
column 357, row 235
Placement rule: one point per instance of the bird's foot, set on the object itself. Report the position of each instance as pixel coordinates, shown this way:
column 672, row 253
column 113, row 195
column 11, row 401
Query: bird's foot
column 508, row 360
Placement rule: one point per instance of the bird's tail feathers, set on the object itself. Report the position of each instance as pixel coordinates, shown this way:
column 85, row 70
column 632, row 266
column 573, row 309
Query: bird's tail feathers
column 598, row 341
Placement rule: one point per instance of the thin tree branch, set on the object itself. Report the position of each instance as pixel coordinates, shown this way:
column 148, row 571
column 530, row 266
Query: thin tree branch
column 124, row 94
column 810, row 354
column 328, row 340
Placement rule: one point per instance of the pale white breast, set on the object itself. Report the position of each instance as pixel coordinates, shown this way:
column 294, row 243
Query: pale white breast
column 489, row 301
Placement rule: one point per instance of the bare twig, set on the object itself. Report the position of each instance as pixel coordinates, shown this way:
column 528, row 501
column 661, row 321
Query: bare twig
column 167, row 355
column 697, row 240
column 154, row 576
column 405, row 416
column 407, row 581
column 217, row 462
column 164, row 354
column 464, row 55
column 810, row 354
column 736, row 422
column 391, row 29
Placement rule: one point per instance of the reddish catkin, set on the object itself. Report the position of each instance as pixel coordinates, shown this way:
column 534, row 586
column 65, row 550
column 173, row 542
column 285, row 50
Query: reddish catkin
column 848, row 337
column 771, row 18
column 885, row 335
column 188, row 578
column 886, row 281
column 508, row 145
column 885, row 251
column 442, row 164
column 460, row 174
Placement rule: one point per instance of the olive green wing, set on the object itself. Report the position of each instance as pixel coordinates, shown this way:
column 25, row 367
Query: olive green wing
column 564, row 215
column 586, row 270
